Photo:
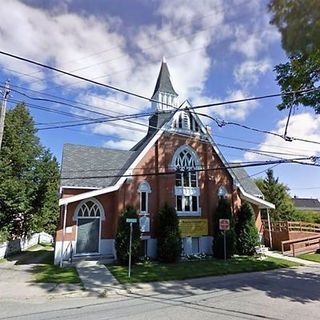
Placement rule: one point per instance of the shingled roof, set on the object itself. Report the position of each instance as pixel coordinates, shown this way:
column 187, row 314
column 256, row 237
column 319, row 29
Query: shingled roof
column 246, row 182
column 306, row 204
column 163, row 82
column 100, row 164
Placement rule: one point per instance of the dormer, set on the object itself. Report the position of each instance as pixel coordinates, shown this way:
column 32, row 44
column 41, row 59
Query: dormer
column 164, row 92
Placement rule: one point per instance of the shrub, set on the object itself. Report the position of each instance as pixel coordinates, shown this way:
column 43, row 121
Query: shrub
column 123, row 237
column 223, row 212
column 246, row 231
column 169, row 239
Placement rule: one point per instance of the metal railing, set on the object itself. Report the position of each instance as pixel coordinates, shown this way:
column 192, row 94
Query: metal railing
column 71, row 251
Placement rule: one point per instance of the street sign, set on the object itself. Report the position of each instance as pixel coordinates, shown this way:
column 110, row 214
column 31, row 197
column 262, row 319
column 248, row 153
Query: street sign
column 131, row 220
column 224, row 224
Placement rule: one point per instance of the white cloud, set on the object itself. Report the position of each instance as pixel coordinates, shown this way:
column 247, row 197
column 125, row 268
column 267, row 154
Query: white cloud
column 60, row 39
column 236, row 111
column 249, row 72
column 251, row 42
column 304, row 126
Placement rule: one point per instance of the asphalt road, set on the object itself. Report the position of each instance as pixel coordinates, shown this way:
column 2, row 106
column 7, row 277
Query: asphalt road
column 282, row 294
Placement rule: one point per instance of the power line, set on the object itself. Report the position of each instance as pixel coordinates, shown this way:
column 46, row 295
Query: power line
column 143, row 97
column 255, row 164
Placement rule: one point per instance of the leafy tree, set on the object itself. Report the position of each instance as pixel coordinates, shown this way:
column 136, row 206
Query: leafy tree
column 223, row 212
column 299, row 24
column 246, row 230
column 21, row 157
column 45, row 205
column 123, row 236
column 276, row 193
column 169, row 239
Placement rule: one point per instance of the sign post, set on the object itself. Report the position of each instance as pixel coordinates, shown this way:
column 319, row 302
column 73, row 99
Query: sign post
column 131, row 221
column 224, row 225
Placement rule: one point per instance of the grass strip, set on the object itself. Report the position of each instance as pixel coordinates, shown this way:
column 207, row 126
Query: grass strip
column 315, row 257
column 155, row 271
column 48, row 273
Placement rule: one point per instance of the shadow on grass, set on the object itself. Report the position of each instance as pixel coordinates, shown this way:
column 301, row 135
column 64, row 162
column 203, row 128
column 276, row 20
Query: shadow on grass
column 298, row 284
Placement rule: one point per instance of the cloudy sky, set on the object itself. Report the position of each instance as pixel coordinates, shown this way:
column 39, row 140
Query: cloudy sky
column 216, row 51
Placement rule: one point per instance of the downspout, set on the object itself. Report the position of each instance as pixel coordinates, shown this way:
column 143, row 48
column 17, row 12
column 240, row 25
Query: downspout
column 269, row 227
column 63, row 233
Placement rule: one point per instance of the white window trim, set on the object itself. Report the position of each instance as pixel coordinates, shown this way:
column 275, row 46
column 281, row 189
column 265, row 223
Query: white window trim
column 187, row 191
column 95, row 201
column 144, row 187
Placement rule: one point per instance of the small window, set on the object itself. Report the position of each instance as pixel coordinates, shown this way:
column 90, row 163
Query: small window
column 179, row 203
column 144, row 190
column 143, row 201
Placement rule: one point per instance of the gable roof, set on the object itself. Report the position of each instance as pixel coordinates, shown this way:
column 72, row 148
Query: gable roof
column 163, row 82
column 81, row 163
column 306, row 203
column 247, row 183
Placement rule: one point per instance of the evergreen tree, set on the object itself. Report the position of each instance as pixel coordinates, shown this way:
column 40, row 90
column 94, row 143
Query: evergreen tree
column 246, row 230
column 123, row 236
column 223, row 211
column 276, row 193
column 21, row 156
column 169, row 239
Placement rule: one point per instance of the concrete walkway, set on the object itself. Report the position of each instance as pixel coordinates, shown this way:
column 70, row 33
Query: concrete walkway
column 96, row 277
column 303, row 262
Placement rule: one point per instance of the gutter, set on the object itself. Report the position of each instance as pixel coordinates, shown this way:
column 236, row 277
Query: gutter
column 263, row 204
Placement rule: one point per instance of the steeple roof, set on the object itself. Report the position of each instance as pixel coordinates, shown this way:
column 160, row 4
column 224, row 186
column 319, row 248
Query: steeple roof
column 163, row 82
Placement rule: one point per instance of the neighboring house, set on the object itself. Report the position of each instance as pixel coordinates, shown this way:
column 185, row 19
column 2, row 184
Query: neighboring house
column 306, row 204
column 177, row 161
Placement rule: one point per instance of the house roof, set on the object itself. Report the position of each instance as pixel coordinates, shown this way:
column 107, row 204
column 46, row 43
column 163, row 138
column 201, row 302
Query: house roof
column 163, row 82
column 306, row 203
column 81, row 163
column 246, row 182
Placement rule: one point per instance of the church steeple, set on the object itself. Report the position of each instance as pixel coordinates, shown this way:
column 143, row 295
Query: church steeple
column 164, row 91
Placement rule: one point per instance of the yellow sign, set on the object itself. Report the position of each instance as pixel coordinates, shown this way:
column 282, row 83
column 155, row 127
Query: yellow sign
column 193, row 227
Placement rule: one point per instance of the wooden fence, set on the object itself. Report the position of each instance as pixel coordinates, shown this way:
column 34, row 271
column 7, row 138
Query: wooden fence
column 292, row 226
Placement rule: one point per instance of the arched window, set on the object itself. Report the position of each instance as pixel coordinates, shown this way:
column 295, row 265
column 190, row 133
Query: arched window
column 89, row 208
column 144, row 190
column 186, row 163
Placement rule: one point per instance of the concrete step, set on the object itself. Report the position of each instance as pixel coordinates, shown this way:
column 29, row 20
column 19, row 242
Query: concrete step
column 99, row 258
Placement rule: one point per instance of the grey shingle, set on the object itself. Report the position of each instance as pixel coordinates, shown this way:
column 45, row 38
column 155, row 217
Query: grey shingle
column 163, row 82
column 246, row 182
column 94, row 167
column 306, row 203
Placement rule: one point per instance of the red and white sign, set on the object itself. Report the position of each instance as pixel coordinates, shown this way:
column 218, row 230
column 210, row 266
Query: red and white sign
column 224, row 224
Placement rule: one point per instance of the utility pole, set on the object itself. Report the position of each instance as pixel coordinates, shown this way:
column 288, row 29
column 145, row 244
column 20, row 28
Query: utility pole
column 5, row 96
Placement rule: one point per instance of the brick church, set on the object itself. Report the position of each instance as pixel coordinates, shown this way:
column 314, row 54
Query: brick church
column 177, row 161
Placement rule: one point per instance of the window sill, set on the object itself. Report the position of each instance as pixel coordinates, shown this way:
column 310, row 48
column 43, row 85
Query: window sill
column 188, row 214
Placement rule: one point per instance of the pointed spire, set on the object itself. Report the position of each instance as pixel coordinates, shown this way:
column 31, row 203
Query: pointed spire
column 164, row 84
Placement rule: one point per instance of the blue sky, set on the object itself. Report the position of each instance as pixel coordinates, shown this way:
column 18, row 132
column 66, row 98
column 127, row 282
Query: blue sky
column 216, row 51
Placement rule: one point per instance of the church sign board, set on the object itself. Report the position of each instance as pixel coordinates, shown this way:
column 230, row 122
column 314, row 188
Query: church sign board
column 193, row 227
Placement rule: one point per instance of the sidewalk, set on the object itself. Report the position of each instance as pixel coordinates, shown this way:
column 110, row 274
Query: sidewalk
column 96, row 277
column 303, row 262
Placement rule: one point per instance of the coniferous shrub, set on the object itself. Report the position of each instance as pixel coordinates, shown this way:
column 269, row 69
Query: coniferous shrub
column 169, row 239
column 223, row 211
column 246, row 230
column 123, row 236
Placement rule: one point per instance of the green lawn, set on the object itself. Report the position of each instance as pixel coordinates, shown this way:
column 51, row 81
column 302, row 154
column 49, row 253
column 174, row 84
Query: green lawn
column 311, row 257
column 49, row 273
column 44, row 270
column 154, row 271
